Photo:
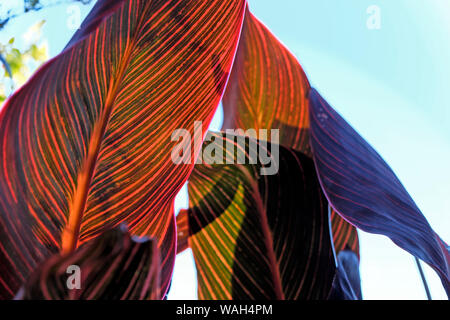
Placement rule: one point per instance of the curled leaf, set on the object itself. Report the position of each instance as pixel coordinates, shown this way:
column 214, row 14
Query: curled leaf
column 114, row 266
column 347, row 283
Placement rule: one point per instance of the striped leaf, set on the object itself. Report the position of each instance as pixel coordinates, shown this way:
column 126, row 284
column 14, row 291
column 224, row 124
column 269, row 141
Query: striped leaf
column 258, row 236
column 113, row 266
column 345, row 236
column 182, row 230
column 268, row 89
column 362, row 187
column 86, row 143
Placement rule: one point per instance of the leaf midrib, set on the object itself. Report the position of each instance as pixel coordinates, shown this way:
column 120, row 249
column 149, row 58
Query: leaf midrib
column 268, row 239
column 71, row 232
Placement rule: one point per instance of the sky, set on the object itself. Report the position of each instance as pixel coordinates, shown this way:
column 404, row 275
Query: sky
column 390, row 83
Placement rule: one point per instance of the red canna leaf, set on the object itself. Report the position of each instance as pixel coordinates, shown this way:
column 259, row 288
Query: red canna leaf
column 363, row 188
column 86, row 143
column 345, row 236
column 114, row 266
column 268, row 89
column 182, row 231
column 257, row 236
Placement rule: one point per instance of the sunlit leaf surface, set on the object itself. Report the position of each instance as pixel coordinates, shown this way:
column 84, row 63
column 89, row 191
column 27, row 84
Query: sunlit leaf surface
column 86, row 143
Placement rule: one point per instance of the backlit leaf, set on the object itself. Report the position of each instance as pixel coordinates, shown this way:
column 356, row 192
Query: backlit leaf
column 257, row 236
column 345, row 236
column 86, row 143
column 182, row 230
column 268, row 89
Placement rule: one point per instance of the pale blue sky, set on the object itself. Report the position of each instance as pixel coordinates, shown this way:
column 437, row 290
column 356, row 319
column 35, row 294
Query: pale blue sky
column 391, row 84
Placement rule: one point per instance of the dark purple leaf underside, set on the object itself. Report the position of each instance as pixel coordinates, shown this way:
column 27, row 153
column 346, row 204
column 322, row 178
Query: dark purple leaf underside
column 365, row 191
column 347, row 283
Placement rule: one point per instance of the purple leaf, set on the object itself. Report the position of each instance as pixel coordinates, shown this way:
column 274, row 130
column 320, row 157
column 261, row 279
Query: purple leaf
column 363, row 189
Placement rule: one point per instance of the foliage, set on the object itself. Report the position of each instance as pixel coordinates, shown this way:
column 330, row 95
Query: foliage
column 96, row 118
column 7, row 14
column 87, row 145
column 18, row 64
column 107, row 255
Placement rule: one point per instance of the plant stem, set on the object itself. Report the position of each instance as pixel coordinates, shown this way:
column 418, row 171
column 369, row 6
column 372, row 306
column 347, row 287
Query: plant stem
column 422, row 275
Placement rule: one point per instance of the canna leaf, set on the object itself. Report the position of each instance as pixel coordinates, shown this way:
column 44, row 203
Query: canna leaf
column 258, row 236
column 182, row 230
column 114, row 266
column 362, row 187
column 86, row 143
column 345, row 236
column 268, row 89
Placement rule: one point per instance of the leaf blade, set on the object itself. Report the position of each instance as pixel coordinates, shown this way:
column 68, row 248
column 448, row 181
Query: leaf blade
column 345, row 235
column 268, row 89
column 259, row 237
column 364, row 189
column 86, row 142
column 182, row 230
